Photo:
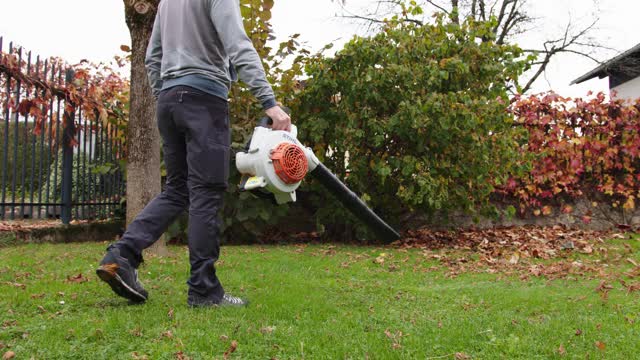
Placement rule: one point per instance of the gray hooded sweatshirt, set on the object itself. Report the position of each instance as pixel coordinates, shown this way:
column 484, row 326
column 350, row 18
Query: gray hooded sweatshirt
column 201, row 43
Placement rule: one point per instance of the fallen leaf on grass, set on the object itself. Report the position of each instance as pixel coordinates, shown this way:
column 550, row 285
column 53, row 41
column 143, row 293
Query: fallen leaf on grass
column 170, row 313
column 587, row 250
column 77, row 278
column 181, row 356
column 268, row 329
column 395, row 338
column 630, row 287
column 168, row 334
column 603, row 289
column 8, row 355
column 561, row 350
column 9, row 323
column 600, row 345
column 18, row 285
column 380, row 259
column 231, row 349
column 37, row 296
column 578, row 332
column 224, row 338
column 462, row 356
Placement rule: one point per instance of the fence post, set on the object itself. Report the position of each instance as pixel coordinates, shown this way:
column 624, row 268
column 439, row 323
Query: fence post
column 67, row 158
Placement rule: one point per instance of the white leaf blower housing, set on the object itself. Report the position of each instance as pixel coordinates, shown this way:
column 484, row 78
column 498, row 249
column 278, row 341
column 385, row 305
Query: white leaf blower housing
column 276, row 161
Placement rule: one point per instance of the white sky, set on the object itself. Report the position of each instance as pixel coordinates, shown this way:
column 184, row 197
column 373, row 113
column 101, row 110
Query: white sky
column 95, row 29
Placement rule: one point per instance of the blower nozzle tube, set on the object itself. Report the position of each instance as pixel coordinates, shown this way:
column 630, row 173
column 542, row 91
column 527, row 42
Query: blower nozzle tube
column 352, row 202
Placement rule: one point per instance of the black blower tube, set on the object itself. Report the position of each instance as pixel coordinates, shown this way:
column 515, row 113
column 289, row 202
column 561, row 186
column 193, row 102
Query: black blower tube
column 352, row 202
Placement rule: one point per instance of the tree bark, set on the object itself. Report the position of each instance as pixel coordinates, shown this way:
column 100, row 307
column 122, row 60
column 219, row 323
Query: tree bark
column 143, row 139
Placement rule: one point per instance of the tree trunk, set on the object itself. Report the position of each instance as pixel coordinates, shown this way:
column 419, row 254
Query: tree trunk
column 143, row 139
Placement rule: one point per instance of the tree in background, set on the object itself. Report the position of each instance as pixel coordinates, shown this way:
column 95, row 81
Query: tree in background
column 143, row 139
column 511, row 18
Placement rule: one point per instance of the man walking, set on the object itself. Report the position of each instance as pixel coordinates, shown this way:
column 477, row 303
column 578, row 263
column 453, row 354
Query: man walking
column 195, row 49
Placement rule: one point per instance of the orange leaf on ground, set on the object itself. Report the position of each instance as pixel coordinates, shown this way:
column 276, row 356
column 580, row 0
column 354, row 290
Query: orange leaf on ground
column 232, row 348
column 561, row 350
column 77, row 278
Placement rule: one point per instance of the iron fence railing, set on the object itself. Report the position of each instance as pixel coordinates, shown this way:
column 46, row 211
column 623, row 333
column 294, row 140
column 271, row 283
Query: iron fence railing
column 67, row 167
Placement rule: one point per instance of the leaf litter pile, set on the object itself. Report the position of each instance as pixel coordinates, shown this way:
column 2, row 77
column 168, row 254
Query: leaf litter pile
column 552, row 252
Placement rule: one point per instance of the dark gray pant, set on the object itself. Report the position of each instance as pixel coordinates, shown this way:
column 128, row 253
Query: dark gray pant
column 194, row 127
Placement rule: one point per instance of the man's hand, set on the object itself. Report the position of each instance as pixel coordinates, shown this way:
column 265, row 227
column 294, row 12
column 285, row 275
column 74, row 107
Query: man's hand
column 281, row 120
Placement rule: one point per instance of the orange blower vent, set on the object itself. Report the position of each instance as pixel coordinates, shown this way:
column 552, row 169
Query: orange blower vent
column 290, row 163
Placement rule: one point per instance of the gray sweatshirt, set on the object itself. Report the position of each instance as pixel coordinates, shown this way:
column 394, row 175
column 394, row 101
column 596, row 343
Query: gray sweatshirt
column 201, row 43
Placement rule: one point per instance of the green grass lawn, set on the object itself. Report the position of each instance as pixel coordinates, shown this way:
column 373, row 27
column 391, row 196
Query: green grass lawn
column 316, row 302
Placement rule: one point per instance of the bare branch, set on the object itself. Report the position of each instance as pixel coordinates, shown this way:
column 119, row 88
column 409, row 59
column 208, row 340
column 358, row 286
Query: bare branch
column 561, row 45
column 446, row 11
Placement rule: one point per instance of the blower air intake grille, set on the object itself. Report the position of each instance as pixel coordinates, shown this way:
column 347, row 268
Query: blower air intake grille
column 289, row 162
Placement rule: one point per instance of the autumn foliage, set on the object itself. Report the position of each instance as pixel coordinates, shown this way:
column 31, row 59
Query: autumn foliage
column 581, row 148
column 28, row 87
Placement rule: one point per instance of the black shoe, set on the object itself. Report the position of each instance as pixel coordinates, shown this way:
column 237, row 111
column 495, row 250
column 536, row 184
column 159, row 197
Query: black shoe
column 116, row 271
column 227, row 301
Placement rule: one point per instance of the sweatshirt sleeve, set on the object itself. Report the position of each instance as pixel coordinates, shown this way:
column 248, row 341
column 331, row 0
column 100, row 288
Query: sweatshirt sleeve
column 226, row 18
column 153, row 59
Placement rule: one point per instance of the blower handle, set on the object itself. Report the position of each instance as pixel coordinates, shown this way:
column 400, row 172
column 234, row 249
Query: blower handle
column 266, row 121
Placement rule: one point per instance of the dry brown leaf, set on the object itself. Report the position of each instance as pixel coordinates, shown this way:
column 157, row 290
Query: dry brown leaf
column 181, row 356
column 604, row 287
column 77, row 278
column 231, row 349
column 137, row 356
column 561, row 350
column 268, row 329
column 587, row 250
column 15, row 284
column 600, row 345
column 462, row 356
column 170, row 313
column 8, row 355
column 578, row 332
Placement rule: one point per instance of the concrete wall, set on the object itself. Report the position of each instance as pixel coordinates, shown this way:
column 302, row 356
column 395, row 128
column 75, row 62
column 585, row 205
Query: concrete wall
column 600, row 217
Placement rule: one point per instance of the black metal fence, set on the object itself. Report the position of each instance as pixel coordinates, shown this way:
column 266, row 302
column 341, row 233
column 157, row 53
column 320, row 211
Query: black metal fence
column 57, row 162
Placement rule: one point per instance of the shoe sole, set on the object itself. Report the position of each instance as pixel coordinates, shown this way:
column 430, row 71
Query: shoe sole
column 222, row 305
column 119, row 286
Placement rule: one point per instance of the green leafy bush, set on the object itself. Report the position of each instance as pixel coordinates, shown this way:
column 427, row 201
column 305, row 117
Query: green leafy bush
column 414, row 118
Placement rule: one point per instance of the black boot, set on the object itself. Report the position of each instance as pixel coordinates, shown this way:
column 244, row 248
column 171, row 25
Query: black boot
column 118, row 272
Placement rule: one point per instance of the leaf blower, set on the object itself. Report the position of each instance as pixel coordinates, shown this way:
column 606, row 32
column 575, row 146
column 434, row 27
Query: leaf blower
column 275, row 163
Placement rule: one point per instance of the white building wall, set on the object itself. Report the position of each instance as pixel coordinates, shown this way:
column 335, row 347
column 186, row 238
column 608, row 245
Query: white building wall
column 629, row 90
